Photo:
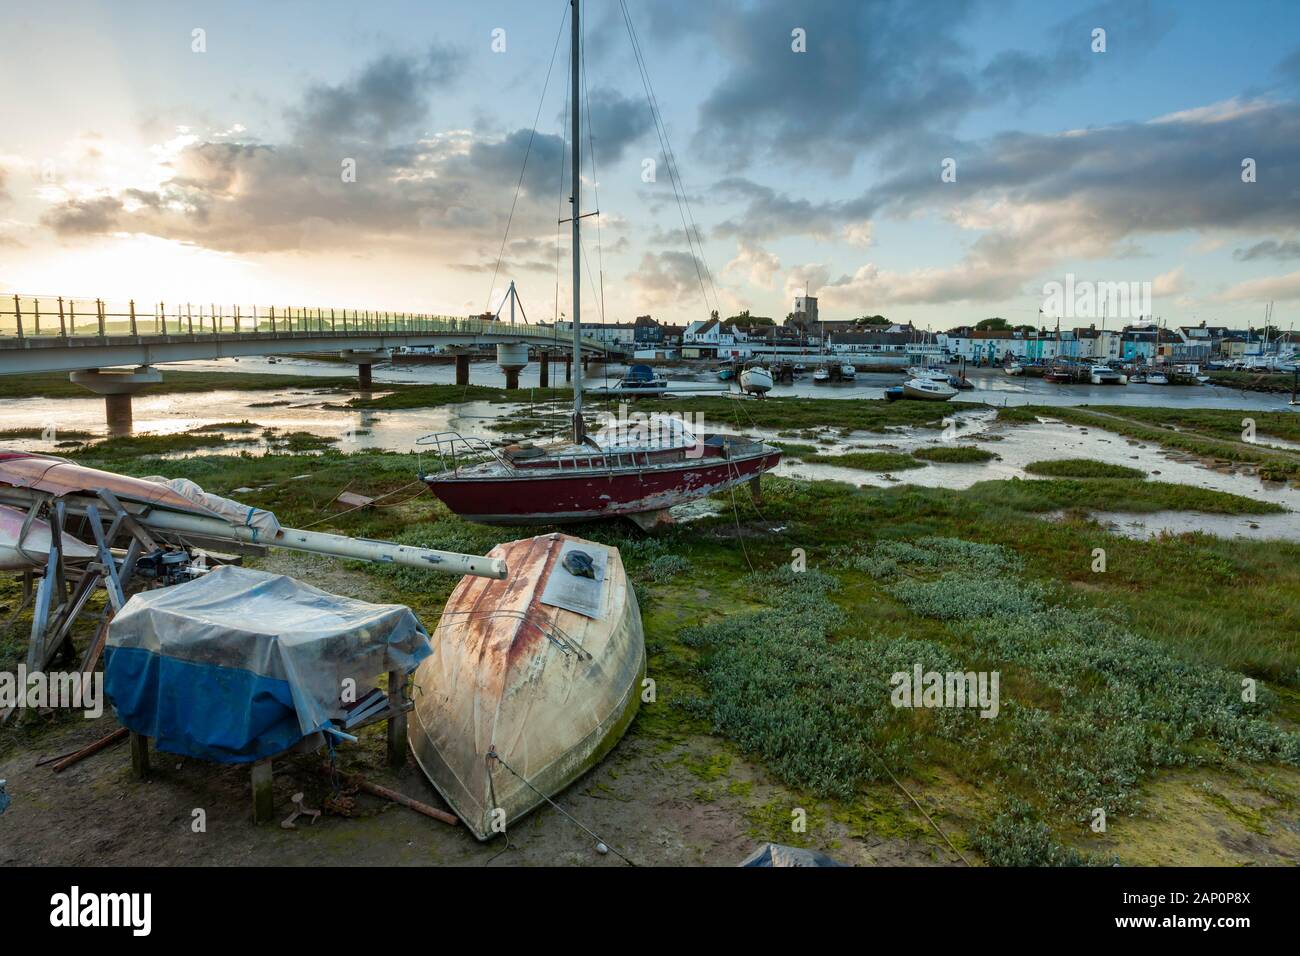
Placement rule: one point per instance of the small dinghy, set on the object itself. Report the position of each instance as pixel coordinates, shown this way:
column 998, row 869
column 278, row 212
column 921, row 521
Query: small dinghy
column 533, row 679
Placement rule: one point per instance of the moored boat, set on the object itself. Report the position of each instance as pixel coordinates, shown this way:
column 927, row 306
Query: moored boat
column 1015, row 368
column 847, row 371
column 755, row 381
column 927, row 372
column 822, row 374
column 1157, row 378
column 642, row 380
column 894, row 393
column 928, row 389
column 1104, row 375
column 534, row 679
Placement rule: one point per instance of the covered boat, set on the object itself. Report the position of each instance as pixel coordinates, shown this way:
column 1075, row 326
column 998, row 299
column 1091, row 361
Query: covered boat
column 533, row 680
column 25, row 545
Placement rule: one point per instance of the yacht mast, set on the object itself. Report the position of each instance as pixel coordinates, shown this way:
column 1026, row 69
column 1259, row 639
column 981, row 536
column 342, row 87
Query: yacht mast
column 579, row 432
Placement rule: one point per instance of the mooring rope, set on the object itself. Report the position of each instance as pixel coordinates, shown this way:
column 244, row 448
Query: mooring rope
column 605, row 843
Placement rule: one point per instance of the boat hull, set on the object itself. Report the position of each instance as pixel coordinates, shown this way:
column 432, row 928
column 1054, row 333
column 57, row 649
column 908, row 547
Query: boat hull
column 542, row 498
column 547, row 689
column 757, row 381
column 911, row 391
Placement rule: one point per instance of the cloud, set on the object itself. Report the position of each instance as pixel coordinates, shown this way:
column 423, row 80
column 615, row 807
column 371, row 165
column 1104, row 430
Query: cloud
column 755, row 264
column 1269, row 249
column 883, row 74
column 1283, row 288
column 1034, row 200
column 669, row 278
column 84, row 216
column 1171, row 283
column 388, row 96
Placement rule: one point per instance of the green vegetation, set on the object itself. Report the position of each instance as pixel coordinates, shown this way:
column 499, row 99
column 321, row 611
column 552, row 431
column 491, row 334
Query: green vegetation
column 1107, row 680
column 1115, row 494
column 57, row 384
column 429, row 396
column 786, row 414
column 953, row 454
column 1082, row 468
column 70, row 434
column 877, row 461
column 1149, row 425
column 1254, row 381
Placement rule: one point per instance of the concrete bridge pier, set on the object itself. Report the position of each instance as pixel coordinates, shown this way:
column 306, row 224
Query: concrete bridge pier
column 544, row 369
column 513, row 358
column 568, row 368
column 117, row 386
column 364, row 360
column 462, row 369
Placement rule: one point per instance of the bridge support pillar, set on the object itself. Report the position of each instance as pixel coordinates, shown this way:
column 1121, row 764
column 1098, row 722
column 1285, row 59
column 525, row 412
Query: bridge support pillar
column 568, row 368
column 365, row 360
column 462, row 369
column 117, row 387
column 512, row 378
column 544, row 369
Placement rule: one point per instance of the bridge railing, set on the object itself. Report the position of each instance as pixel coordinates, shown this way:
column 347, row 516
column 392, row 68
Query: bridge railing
column 45, row 317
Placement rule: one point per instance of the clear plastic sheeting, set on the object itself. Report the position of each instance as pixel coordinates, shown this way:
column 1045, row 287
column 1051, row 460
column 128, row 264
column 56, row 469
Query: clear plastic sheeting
column 264, row 522
column 780, row 855
column 239, row 664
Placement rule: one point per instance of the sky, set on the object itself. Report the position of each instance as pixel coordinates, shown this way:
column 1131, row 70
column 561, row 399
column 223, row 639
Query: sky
column 934, row 162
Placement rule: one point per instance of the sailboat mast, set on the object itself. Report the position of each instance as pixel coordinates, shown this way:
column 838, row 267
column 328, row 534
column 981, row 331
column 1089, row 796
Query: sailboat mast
column 579, row 432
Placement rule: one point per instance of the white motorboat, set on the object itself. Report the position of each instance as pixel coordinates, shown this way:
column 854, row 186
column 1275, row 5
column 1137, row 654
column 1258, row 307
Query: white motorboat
column 1104, row 375
column 1015, row 368
column 927, row 372
column 928, row 389
column 822, row 374
column 1157, row 378
column 755, row 381
column 847, row 371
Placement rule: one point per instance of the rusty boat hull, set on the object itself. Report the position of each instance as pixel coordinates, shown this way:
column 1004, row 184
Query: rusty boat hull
column 547, row 689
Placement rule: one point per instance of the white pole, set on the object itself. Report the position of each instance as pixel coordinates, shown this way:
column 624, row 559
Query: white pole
column 338, row 546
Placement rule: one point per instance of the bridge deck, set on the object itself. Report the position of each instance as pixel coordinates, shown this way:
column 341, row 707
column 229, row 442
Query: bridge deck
column 47, row 335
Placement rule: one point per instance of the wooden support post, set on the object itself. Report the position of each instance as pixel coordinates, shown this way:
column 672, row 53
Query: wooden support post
column 397, row 722
column 99, row 311
column 18, row 316
column 139, row 756
column 544, row 373
column 263, row 792
column 132, row 307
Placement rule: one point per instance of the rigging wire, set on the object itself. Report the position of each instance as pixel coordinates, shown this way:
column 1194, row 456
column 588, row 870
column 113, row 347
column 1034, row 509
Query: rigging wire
column 670, row 158
column 524, row 168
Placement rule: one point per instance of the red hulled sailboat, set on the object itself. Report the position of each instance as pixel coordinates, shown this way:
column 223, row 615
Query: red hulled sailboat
column 589, row 477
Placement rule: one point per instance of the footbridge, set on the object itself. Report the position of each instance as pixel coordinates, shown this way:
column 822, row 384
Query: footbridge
column 112, row 349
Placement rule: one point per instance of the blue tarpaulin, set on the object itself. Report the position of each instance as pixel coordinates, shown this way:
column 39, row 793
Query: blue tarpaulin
column 238, row 665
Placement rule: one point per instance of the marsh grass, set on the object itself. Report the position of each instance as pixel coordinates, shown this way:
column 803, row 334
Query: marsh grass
column 1082, row 468
column 954, row 454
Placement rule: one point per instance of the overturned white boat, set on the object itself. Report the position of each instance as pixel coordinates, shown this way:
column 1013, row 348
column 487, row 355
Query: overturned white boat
column 532, row 681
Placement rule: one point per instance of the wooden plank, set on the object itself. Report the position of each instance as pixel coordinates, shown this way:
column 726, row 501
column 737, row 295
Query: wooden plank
column 116, row 736
column 374, row 789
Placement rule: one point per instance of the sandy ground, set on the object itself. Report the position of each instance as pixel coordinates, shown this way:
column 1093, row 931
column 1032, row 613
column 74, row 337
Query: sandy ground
column 643, row 800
